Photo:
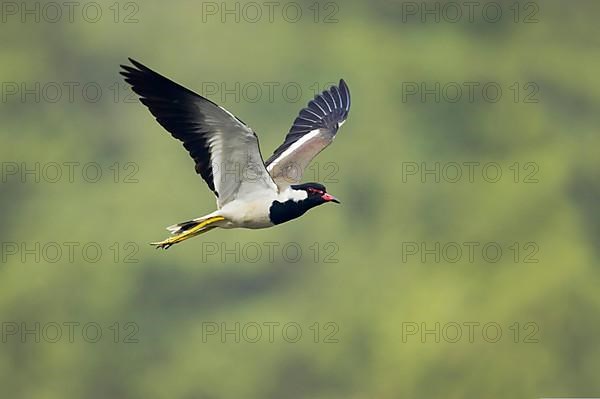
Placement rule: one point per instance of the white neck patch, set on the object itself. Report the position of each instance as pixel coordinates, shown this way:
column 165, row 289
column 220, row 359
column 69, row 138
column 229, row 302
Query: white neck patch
column 291, row 194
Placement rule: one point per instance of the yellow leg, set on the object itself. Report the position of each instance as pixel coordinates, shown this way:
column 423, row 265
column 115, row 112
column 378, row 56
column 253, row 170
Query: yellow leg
column 194, row 231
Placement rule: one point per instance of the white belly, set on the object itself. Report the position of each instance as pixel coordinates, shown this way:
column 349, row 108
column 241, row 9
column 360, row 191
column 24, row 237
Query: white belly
column 253, row 214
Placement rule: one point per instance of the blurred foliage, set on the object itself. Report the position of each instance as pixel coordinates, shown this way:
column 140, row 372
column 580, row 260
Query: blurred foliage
column 372, row 290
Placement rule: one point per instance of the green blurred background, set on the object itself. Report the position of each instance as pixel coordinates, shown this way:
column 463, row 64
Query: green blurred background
column 358, row 277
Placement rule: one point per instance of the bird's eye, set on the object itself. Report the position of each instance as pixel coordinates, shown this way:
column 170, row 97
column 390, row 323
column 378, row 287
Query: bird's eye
column 315, row 191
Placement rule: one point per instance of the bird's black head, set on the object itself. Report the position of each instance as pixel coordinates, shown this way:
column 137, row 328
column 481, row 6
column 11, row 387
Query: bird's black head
column 316, row 194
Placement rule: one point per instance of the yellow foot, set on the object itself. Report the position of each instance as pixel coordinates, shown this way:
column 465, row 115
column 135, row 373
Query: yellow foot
column 162, row 244
column 202, row 227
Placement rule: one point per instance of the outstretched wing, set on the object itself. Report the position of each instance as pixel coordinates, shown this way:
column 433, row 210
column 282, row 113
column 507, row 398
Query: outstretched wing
column 225, row 150
column 312, row 131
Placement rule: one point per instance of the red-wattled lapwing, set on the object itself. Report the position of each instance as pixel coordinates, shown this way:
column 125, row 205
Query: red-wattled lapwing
column 250, row 193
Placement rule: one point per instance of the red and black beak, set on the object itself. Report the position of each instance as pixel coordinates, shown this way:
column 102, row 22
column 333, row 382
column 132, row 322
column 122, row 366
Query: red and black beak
column 330, row 198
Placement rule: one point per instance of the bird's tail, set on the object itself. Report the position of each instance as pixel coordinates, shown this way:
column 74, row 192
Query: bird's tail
column 183, row 231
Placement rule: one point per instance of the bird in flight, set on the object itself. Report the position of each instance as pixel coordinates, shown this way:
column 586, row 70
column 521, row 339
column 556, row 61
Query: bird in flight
column 250, row 193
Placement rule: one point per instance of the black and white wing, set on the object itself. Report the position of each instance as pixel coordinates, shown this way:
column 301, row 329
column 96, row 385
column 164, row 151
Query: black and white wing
column 312, row 131
column 225, row 150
